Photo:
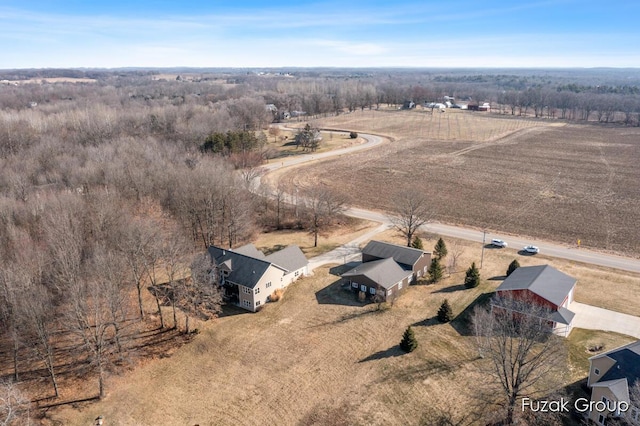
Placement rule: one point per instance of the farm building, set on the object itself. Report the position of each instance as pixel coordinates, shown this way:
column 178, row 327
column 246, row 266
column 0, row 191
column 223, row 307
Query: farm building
column 544, row 286
column 249, row 277
column 611, row 375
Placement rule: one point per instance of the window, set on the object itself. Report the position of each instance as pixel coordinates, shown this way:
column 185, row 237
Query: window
column 257, row 303
column 296, row 273
column 601, row 419
column 354, row 285
column 363, row 288
column 597, row 372
column 372, row 290
column 257, row 290
column 389, row 292
column 604, row 399
column 246, row 290
column 419, row 273
column 246, row 303
column 399, row 285
column 267, row 285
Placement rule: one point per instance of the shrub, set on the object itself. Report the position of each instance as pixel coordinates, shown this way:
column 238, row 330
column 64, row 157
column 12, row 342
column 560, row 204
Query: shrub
column 440, row 250
column 417, row 243
column 435, row 270
column 276, row 295
column 445, row 314
column 472, row 277
column 353, row 135
column 408, row 342
column 513, row 266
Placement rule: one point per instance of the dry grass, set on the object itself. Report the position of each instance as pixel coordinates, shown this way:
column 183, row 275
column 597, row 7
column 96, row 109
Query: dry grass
column 287, row 148
column 347, row 230
column 320, row 357
column 515, row 176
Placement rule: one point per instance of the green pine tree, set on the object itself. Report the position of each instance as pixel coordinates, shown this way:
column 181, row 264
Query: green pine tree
column 435, row 270
column 445, row 314
column 417, row 243
column 408, row 342
column 440, row 250
column 513, row 266
column 472, row 277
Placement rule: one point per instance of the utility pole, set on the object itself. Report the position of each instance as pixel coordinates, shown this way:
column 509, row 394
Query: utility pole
column 484, row 236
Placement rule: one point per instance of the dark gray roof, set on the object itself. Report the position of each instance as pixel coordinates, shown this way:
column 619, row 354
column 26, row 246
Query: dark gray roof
column 386, row 272
column 627, row 363
column 246, row 270
column 290, row 258
column 543, row 280
column 404, row 255
column 250, row 250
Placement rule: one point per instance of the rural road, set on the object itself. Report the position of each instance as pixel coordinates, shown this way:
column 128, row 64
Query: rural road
column 546, row 248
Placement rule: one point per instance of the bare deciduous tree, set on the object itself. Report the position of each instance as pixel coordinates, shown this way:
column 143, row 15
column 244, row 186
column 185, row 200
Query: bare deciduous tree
column 201, row 295
column 12, row 403
column 322, row 206
column 409, row 213
column 455, row 251
column 521, row 355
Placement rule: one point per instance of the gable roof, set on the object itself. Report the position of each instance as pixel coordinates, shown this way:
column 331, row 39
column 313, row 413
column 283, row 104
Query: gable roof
column 385, row 272
column 250, row 250
column 403, row 255
column 245, row 270
column 626, row 366
column 618, row 387
column 290, row 258
column 542, row 280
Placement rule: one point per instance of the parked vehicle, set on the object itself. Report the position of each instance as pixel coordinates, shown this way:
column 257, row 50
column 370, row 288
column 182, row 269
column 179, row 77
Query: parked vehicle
column 531, row 249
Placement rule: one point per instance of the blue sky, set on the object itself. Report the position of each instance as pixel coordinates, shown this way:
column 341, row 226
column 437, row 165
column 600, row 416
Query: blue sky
column 427, row 33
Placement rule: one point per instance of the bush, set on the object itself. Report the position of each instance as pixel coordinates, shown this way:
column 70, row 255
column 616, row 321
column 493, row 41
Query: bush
column 435, row 270
column 408, row 342
column 276, row 295
column 472, row 277
column 353, row 135
column 417, row 243
column 445, row 314
column 513, row 266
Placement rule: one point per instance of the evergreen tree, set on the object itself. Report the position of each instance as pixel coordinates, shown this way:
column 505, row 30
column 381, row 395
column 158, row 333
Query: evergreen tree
column 513, row 266
column 472, row 277
column 435, row 270
column 408, row 342
column 445, row 314
column 440, row 250
column 417, row 243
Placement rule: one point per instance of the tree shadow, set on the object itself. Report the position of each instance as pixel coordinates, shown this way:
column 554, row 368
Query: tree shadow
column 462, row 322
column 229, row 310
column 269, row 250
column 451, row 289
column 427, row 322
column 338, row 293
column 392, row 352
column 497, row 278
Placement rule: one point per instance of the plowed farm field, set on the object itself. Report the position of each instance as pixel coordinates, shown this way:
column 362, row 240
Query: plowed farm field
column 538, row 178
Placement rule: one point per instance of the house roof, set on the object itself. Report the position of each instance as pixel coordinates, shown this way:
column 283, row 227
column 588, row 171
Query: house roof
column 290, row 258
column 542, row 280
column 385, row 272
column 246, row 270
column 250, row 250
column 619, row 387
column 562, row 316
column 626, row 366
column 403, row 255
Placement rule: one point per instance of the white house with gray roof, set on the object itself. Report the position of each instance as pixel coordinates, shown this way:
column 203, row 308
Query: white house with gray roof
column 547, row 287
column 250, row 278
column 611, row 376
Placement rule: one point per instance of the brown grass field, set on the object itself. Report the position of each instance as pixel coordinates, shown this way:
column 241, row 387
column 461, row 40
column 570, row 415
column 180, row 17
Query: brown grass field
column 537, row 178
column 319, row 357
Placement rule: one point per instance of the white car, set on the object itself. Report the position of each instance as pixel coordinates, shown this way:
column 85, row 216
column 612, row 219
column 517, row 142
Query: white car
column 498, row 243
column 531, row 249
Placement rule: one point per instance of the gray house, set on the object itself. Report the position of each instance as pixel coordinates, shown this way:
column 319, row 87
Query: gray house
column 409, row 259
column 249, row 277
column 384, row 278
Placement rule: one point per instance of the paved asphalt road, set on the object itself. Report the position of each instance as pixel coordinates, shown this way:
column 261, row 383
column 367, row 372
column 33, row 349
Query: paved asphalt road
column 566, row 251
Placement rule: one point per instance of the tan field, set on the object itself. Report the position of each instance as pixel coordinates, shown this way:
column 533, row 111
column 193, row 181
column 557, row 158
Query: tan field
column 515, row 176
